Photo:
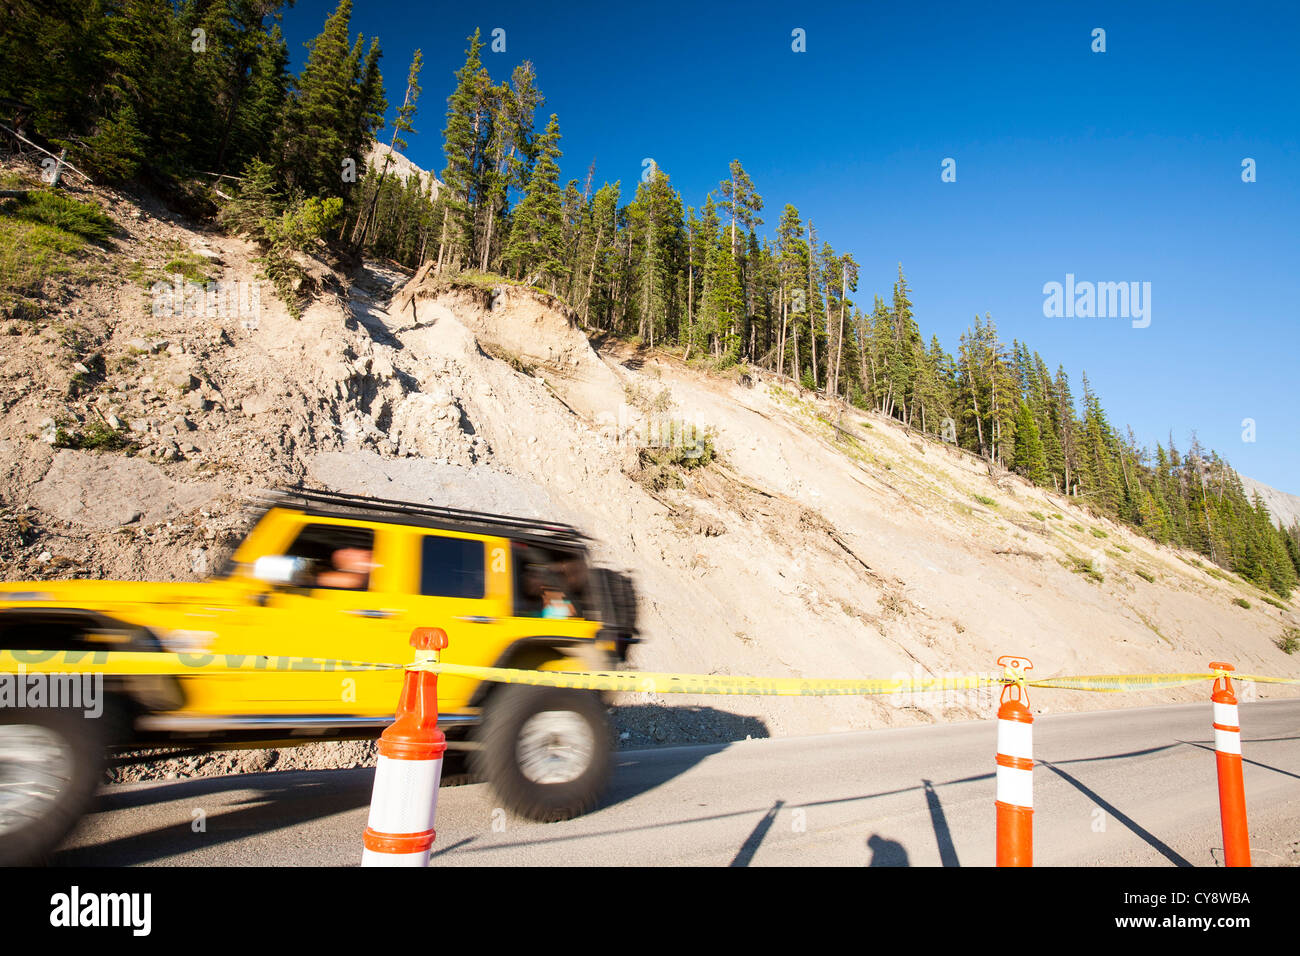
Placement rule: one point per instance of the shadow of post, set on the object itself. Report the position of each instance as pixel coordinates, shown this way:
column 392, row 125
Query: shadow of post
column 755, row 839
column 1147, row 836
column 942, row 835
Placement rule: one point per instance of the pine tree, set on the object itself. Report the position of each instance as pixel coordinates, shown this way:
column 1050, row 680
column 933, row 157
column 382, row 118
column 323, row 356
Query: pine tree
column 1099, row 462
column 536, row 245
column 403, row 125
column 334, row 111
column 790, row 254
column 462, row 147
column 1029, row 459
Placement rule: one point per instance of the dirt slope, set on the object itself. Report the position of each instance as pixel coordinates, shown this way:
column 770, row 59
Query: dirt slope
column 807, row 549
column 817, row 551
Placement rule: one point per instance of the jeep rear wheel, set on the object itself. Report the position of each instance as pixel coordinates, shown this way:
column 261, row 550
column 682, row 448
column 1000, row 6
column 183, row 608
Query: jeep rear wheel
column 50, row 764
column 545, row 750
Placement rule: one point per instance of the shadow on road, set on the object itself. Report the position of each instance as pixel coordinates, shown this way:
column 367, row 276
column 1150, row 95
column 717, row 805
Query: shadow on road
column 649, row 725
column 1245, row 759
column 886, row 852
column 755, row 839
column 942, row 835
column 1145, row 835
column 281, row 800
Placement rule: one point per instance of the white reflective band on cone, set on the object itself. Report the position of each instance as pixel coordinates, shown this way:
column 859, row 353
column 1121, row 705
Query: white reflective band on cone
column 1016, row 787
column 405, row 796
column 371, row 858
column 1016, row 739
column 1227, row 741
column 1226, row 714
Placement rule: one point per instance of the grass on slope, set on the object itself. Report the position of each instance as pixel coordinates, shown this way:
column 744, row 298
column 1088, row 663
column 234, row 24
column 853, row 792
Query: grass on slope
column 40, row 235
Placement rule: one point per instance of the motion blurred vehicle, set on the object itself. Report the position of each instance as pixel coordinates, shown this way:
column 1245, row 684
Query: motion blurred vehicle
column 326, row 577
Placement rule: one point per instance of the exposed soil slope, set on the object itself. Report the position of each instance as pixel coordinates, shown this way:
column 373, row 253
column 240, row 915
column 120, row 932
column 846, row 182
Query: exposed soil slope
column 822, row 543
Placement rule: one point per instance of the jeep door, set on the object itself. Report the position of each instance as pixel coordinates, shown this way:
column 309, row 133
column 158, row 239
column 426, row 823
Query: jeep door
column 356, row 612
column 459, row 582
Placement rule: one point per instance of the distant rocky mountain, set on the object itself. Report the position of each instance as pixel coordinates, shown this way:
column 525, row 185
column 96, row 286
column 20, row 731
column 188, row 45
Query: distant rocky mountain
column 1284, row 507
column 401, row 167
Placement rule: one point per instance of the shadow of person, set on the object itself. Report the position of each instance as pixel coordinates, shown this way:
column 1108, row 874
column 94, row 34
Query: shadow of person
column 886, row 852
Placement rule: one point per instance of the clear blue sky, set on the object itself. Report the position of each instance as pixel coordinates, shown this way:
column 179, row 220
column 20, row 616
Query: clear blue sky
column 1115, row 166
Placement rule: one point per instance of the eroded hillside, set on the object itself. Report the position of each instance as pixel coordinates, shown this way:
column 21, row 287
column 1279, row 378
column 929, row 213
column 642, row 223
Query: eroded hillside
column 821, row 542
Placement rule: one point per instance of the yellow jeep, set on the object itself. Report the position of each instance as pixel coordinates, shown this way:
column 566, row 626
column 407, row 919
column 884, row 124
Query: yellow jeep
column 325, row 577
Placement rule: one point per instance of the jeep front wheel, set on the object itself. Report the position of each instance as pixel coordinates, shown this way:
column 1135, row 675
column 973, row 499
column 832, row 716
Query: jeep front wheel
column 545, row 750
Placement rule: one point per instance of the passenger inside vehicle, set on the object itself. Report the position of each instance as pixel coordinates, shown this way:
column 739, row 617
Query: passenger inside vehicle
column 340, row 557
column 556, row 605
column 547, row 583
column 351, row 570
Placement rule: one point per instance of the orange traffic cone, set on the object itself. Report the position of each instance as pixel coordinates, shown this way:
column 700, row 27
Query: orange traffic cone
column 399, row 831
column 1227, row 754
column 1015, row 793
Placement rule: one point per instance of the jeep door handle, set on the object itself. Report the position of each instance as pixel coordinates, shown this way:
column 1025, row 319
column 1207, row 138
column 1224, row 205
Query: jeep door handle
column 475, row 619
column 370, row 612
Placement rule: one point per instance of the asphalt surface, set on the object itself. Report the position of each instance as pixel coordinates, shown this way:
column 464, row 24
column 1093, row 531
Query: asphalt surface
column 1113, row 788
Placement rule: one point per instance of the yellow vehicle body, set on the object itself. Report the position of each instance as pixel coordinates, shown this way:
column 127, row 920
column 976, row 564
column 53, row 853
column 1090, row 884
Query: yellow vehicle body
column 323, row 580
column 238, row 615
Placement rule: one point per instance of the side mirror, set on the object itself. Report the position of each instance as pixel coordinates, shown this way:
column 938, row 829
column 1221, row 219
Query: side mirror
column 279, row 569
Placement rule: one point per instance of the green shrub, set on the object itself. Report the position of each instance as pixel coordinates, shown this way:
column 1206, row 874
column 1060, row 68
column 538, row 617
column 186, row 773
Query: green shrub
column 1098, row 533
column 256, row 202
column 679, row 447
column 95, row 435
column 303, row 223
column 280, row 227
column 984, row 500
column 1085, row 567
column 1274, row 601
column 190, row 267
column 1145, row 575
column 117, row 149
column 40, row 235
column 1037, row 514
column 1290, row 640
column 1241, row 602
column 64, row 213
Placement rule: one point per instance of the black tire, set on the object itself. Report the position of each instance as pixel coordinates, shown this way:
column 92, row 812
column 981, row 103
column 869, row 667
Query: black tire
column 500, row 762
column 68, row 780
column 456, row 770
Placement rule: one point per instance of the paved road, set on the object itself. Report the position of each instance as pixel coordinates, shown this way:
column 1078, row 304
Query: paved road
column 1127, row 787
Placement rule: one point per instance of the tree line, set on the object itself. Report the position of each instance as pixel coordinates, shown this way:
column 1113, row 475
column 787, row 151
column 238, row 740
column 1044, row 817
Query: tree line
column 703, row 280
column 166, row 92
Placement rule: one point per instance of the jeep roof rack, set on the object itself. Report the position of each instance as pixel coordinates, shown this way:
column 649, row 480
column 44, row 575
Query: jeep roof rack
column 318, row 501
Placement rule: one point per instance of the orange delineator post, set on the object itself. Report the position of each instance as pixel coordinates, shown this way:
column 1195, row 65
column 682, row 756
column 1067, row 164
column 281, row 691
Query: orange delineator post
column 1015, row 774
column 1227, row 755
column 399, row 831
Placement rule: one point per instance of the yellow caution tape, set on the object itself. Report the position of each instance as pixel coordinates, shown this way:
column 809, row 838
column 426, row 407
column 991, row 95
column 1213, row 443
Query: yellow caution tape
column 1118, row 683
column 180, row 664
column 1262, row 680
column 654, row 683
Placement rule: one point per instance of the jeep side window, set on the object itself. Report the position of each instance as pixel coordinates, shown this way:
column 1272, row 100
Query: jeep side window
column 342, row 557
column 549, row 583
column 452, row 567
